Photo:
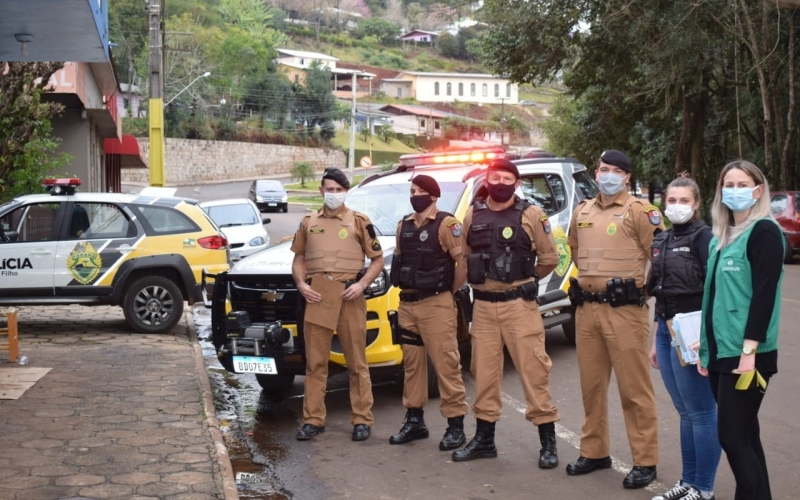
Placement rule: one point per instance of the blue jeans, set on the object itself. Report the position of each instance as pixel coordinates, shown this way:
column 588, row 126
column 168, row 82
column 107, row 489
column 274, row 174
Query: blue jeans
column 691, row 394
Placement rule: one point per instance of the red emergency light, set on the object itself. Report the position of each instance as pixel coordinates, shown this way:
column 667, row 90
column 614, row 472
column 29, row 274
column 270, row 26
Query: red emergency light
column 452, row 157
column 61, row 186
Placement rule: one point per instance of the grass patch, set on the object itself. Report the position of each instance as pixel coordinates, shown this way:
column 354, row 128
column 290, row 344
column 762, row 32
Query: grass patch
column 543, row 95
column 313, row 202
column 312, row 187
column 343, row 140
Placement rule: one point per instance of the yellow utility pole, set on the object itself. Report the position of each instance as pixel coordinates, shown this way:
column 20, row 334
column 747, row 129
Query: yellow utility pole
column 155, row 112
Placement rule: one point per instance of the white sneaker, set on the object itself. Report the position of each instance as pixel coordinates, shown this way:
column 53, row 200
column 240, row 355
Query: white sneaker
column 694, row 494
column 679, row 491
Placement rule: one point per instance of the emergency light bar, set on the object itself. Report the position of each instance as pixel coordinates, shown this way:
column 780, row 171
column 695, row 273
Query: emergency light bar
column 61, row 186
column 452, row 157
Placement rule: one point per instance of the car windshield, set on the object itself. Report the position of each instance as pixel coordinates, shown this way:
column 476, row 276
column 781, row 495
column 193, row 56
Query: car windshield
column 232, row 215
column 386, row 204
column 270, row 186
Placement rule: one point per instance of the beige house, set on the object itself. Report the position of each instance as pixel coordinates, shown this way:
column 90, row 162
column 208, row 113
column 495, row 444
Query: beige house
column 450, row 87
column 294, row 63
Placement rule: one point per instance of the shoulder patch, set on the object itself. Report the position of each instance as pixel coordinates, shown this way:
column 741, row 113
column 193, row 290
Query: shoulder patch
column 654, row 214
column 376, row 245
column 545, row 220
column 455, row 228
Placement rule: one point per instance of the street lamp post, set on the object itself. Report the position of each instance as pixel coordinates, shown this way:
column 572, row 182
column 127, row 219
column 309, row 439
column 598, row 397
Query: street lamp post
column 207, row 73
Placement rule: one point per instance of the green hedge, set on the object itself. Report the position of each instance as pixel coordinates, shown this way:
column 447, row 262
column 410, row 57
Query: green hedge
column 378, row 157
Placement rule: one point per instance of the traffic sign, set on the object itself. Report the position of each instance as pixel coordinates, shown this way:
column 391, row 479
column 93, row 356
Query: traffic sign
column 365, row 161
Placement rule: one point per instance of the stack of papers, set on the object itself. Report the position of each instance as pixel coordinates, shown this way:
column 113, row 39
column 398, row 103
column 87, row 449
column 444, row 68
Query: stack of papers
column 687, row 335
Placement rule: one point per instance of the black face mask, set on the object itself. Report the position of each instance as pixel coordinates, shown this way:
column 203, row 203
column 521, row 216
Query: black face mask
column 420, row 202
column 501, row 192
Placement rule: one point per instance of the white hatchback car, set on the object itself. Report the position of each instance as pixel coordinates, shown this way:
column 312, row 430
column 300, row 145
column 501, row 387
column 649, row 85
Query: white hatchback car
column 241, row 223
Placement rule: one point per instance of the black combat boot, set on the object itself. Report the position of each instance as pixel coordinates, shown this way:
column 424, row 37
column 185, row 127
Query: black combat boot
column 454, row 435
column 413, row 428
column 481, row 446
column 548, row 457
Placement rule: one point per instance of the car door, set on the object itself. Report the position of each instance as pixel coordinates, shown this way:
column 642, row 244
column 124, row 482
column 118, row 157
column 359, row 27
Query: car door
column 97, row 238
column 27, row 262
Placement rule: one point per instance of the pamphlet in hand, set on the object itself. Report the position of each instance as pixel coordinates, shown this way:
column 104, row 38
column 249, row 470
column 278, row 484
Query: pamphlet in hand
column 687, row 336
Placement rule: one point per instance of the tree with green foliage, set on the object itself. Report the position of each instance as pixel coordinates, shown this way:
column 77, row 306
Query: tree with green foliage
column 448, row 46
column 303, row 171
column 383, row 30
column 315, row 104
column 28, row 151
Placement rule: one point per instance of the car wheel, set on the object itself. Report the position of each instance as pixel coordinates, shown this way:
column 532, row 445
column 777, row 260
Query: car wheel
column 433, row 380
column 153, row 304
column 285, row 208
column 275, row 384
column 569, row 327
column 788, row 253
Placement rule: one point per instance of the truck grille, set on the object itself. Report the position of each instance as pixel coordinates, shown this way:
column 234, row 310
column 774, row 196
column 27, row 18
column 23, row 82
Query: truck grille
column 273, row 299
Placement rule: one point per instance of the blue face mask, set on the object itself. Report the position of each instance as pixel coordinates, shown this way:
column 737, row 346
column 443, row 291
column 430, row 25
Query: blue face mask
column 611, row 184
column 738, row 199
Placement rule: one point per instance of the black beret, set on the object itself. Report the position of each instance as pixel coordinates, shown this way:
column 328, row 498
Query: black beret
column 427, row 183
column 503, row 164
column 337, row 176
column 616, row 158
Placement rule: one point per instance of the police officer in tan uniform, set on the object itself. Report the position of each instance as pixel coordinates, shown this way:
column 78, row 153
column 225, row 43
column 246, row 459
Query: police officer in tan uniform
column 610, row 237
column 329, row 248
column 429, row 268
column 509, row 247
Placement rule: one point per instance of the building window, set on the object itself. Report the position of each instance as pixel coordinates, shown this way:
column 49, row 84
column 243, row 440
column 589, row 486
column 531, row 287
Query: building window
column 302, row 62
column 436, row 124
column 508, row 90
column 460, row 89
column 126, row 103
column 422, row 123
column 399, row 92
column 497, row 90
column 472, row 89
column 449, row 88
column 485, row 90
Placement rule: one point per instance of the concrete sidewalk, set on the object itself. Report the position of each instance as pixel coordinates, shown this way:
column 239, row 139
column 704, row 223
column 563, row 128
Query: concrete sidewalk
column 120, row 415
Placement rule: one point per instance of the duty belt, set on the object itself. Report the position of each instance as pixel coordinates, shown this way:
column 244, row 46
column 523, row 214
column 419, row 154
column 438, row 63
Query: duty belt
column 417, row 296
column 504, row 296
column 600, row 297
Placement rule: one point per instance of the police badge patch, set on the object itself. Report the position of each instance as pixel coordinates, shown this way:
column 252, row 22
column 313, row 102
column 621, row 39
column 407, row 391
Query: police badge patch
column 455, row 229
column 545, row 223
column 423, row 235
column 507, row 232
column 653, row 214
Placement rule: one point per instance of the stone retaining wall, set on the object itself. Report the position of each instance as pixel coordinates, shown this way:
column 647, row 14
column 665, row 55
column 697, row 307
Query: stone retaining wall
column 190, row 161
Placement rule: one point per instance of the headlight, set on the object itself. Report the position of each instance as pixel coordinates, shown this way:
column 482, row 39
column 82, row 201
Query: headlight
column 284, row 198
column 257, row 241
column 259, row 198
column 379, row 286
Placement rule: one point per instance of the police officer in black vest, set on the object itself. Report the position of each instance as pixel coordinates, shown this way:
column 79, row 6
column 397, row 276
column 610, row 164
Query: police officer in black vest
column 428, row 266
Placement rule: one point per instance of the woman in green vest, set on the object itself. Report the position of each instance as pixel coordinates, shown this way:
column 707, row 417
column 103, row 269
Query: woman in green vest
column 741, row 308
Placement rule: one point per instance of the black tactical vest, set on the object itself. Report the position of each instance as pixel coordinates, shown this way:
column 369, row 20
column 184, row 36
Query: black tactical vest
column 677, row 272
column 503, row 244
column 423, row 264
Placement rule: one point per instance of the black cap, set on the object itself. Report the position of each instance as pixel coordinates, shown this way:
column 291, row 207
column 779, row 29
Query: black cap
column 337, row 176
column 427, row 183
column 616, row 158
column 505, row 165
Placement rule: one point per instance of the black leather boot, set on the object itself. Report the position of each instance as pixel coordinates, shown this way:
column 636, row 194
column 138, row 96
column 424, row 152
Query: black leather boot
column 548, row 457
column 454, row 435
column 413, row 428
column 481, row 446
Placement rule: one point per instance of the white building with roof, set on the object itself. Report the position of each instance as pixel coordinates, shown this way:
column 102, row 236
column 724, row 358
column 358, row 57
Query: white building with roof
column 451, row 87
column 294, row 63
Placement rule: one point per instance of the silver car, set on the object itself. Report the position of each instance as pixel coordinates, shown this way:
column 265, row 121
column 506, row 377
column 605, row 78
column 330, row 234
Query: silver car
column 269, row 195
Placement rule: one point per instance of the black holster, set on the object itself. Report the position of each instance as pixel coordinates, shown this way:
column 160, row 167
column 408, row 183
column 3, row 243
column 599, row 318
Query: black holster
column 622, row 292
column 401, row 335
column 575, row 293
column 530, row 290
column 476, row 268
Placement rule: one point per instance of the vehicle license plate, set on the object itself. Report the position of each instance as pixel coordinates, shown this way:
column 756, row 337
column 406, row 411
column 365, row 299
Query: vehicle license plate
column 272, row 204
column 250, row 364
column 236, row 255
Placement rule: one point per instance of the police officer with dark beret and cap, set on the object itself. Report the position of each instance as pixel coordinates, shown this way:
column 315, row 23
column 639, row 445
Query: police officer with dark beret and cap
column 509, row 247
column 429, row 268
column 330, row 248
column 610, row 237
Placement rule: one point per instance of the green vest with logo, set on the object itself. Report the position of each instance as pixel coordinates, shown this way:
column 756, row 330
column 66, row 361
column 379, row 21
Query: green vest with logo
column 733, row 292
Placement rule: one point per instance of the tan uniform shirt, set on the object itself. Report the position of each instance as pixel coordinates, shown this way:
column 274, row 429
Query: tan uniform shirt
column 360, row 233
column 612, row 240
column 537, row 225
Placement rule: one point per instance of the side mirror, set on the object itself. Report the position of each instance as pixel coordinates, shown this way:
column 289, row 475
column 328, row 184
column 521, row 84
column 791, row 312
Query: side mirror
column 266, row 220
column 12, row 236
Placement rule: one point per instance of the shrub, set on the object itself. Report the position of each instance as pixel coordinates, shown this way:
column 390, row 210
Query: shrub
column 302, row 171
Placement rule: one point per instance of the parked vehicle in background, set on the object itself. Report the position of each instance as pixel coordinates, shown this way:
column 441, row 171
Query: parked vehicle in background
column 144, row 253
column 786, row 210
column 269, row 195
column 241, row 223
column 257, row 312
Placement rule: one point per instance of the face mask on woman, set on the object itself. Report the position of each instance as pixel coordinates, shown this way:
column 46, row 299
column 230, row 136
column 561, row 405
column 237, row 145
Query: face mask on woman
column 678, row 213
column 738, row 199
column 335, row 200
column 611, row 184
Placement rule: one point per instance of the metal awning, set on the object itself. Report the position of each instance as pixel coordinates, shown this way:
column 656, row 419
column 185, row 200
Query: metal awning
column 128, row 149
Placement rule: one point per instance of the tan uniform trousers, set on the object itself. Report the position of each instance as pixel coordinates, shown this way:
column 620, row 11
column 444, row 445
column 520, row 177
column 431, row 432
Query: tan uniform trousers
column 434, row 319
column 518, row 325
column 352, row 332
column 609, row 337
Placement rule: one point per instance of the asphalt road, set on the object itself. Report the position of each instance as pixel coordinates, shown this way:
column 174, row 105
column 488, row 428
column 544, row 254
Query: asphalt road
column 271, row 465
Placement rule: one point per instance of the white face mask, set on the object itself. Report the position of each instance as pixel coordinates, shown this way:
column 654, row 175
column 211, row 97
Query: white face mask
column 678, row 213
column 335, row 200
